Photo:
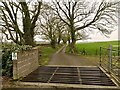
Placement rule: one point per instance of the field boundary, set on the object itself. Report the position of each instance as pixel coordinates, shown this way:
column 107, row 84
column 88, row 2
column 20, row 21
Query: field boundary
column 109, row 61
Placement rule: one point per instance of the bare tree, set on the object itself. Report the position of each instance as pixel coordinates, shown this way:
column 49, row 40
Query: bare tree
column 1, row 38
column 84, row 15
column 19, row 20
column 51, row 27
column 61, row 28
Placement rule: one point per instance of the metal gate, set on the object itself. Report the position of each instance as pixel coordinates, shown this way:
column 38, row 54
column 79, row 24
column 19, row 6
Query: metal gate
column 110, row 61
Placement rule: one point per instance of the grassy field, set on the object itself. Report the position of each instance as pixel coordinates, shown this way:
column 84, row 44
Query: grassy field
column 93, row 48
column 45, row 52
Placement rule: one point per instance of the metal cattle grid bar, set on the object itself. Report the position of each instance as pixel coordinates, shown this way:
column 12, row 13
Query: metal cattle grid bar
column 69, row 75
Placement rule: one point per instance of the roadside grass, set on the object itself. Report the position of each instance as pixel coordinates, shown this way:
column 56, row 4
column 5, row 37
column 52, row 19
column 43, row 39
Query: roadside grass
column 93, row 48
column 45, row 52
column 0, row 45
column 93, row 59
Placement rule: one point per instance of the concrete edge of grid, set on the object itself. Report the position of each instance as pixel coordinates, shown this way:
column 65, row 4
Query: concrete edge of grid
column 110, row 76
column 58, row 85
column 68, row 66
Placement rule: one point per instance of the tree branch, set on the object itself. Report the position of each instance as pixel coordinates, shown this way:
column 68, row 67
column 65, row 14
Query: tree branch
column 36, row 16
column 63, row 11
column 97, row 16
column 58, row 13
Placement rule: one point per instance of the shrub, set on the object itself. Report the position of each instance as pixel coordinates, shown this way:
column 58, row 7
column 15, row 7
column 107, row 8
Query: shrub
column 7, row 62
column 7, row 65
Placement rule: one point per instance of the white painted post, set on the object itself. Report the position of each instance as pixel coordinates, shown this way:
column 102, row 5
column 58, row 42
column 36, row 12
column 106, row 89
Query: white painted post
column 15, row 69
column 14, row 56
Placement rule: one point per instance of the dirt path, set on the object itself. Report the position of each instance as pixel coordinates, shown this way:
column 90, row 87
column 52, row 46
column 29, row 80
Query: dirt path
column 61, row 58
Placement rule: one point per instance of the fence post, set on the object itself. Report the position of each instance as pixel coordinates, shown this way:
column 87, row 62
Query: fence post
column 119, row 60
column 15, row 70
column 15, row 64
column 100, row 56
column 0, row 69
column 109, row 58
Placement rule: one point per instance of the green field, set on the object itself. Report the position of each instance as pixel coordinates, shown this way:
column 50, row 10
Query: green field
column 93, row 48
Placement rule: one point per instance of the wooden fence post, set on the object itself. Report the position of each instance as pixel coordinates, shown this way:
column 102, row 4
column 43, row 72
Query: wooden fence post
column 100, row 56
column 0, row 61
column 0, row 69
column 119, row 59
column 109, row 58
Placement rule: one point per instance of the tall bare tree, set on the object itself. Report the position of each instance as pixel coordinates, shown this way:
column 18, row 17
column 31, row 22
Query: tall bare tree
column 19, row 20
column 51, row 27
column 61, row 28
column 84, row 15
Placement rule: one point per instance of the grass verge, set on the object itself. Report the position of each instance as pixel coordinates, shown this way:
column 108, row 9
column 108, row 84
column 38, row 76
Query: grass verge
column 45, row 52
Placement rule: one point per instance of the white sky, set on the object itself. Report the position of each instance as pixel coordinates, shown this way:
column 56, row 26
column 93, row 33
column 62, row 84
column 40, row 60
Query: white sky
column 95, row 36
column 99, row 37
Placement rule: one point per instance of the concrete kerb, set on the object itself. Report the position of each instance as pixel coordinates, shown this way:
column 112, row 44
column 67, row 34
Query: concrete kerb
column 68, row 66
column 58, row 85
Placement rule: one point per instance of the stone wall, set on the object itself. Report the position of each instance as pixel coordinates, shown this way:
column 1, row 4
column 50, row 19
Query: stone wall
column 27, row 61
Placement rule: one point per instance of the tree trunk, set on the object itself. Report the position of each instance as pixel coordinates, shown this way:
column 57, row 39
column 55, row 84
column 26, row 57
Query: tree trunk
column 59, row 38
column 53, row 44
column 29, row 37
column 29, row 40
column 68, row 38
column 64, row 41
column 28, row 32
column 73, row 38
column 72, row 47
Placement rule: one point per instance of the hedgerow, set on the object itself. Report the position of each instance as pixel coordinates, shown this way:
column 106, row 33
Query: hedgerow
column 7, row 64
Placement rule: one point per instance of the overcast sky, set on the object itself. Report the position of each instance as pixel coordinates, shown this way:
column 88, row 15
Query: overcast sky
column 96, row 36
column 99, row 37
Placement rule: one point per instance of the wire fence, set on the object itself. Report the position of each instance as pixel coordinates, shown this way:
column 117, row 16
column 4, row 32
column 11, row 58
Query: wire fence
column 110, row 60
